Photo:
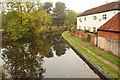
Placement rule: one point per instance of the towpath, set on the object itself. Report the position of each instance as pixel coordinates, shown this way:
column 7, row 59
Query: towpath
column 100, row 58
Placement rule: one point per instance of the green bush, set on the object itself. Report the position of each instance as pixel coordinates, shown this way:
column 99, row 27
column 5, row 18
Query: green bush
column 74, row 29
column 88, row 37
column 86, row 31
column 95, row 32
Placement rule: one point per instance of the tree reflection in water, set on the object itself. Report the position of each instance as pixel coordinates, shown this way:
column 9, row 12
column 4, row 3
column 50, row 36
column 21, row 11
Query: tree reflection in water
column 58, row 45
column 24, row 58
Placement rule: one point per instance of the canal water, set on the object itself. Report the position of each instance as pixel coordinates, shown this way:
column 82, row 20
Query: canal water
column 48, row 57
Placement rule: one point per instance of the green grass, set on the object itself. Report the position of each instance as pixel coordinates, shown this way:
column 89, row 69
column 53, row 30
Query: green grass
column 106, row 56
column 113, row 73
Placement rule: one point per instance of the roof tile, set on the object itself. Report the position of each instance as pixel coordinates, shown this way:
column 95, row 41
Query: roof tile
column 103, row 8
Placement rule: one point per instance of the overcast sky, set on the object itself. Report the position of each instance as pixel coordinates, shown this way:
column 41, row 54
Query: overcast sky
column 80, row 5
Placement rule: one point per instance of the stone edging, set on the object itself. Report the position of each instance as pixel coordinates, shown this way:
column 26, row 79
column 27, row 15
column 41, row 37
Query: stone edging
column 93, row 66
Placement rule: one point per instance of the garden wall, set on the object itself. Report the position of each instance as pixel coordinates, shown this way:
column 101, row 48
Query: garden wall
column 91, row 38
column 109, row 41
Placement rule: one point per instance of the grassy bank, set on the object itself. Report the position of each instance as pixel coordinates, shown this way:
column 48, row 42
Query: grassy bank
column 98, row 62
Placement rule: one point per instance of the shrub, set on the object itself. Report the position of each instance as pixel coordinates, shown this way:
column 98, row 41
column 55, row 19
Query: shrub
column 69, row 30
column 89, row 37
column 74, row 29
column 95, row 32
column 86, row 31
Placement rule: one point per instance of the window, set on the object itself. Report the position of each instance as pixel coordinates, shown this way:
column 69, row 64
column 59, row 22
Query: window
column 80, row 20
column 79, row 27
column 104, row 16
column 94, row 28
column 85, row 18
column 89, row 28
column 94, row 17
column 114, row 12
column 84, row 28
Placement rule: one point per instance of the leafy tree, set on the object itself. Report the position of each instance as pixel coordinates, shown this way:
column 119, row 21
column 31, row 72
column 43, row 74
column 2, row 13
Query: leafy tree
column 59, row 14
column 47, row 19
column 12, row 25
column 48, row 6
column 71, row 18
column 24, row 19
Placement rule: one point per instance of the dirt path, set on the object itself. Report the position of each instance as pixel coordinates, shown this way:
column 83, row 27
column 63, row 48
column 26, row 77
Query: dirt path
column 100, row 58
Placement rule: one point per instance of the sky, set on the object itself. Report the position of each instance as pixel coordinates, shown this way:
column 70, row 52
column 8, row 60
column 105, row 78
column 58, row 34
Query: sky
column 79, row 5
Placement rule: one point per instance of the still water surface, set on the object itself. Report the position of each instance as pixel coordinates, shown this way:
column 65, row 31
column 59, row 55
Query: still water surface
column 47, row 57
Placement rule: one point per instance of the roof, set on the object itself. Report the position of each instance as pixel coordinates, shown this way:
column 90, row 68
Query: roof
column 112, row 25
column 103, row 8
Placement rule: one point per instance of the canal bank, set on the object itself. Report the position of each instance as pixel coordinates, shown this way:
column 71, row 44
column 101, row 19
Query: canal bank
column 103, row 70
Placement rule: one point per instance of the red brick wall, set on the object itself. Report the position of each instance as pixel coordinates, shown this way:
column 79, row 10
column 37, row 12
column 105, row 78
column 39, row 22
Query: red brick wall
column 84, row 36
column 92, row 40
column 77, row 34
column 110, row 35
column 72, row 32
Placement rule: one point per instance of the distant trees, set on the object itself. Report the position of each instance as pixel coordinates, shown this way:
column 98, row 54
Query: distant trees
column 48, row 6
column 59, row 13
column 23, row 19
column 71, row 18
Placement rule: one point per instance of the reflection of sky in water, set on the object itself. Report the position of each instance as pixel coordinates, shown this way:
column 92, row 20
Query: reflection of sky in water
column 1, row 61
column 67, row 66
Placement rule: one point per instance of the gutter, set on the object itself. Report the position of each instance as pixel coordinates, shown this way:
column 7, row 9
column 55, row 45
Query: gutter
column 109, row 31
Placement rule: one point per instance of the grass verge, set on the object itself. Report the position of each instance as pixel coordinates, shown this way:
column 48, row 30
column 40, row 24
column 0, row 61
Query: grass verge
column 100, row 53
column 113, row 73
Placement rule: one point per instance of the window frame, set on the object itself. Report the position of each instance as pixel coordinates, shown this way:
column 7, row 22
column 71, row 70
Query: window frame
column 84, row 27
column 85, row 18
column 94, row 17
column 80, row 27
column 80, row 20
column 104, row 16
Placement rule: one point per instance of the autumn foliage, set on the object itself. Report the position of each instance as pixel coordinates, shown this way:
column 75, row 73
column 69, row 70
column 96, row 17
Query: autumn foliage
column 23, row 19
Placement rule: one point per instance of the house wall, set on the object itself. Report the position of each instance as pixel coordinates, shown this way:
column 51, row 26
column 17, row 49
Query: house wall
column 109, row 41
column 89, row 23
column 112, row 45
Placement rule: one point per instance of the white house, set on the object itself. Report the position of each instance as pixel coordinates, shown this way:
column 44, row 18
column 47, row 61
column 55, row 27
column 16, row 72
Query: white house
column 94, row 18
